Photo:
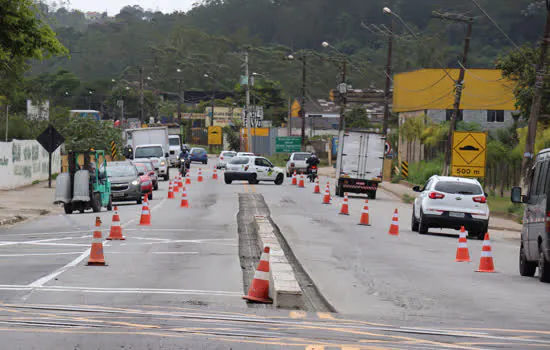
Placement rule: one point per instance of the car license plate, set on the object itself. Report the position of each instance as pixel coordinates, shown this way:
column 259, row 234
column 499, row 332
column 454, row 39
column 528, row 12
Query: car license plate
column 360, row 183
column 117, row 195
column 456, row 215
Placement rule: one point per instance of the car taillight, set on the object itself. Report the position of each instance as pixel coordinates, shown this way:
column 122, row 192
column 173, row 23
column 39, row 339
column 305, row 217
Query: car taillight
column 221, row 158
column 292, row 165
column 436, row 195
column 480, row 199
column 246, row 168
column 548, row 221
column 314, row 167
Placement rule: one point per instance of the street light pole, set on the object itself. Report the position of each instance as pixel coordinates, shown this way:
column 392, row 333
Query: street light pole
column 247, row 106
column 529, row 152
column 141, row 117
column 343, row 96
column 303, row 101
column 388, row 78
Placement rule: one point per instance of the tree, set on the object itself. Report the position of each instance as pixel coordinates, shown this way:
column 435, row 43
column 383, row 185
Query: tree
column 358, row 118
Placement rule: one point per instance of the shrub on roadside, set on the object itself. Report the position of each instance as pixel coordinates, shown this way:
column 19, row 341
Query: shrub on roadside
column 421, row 171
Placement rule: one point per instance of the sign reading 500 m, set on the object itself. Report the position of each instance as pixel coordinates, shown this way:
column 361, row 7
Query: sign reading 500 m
column 469, row 154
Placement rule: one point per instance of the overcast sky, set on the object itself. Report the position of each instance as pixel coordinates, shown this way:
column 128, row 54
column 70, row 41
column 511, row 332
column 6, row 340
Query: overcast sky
column 113, row 6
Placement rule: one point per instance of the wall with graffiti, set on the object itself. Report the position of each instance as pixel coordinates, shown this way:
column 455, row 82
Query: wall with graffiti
column 23, row 162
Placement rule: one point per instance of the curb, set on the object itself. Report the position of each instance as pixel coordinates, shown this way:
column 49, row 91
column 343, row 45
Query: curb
column 12, row 220
column 492, row 227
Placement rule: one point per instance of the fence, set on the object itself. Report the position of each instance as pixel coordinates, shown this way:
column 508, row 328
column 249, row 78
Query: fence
column 24, row 161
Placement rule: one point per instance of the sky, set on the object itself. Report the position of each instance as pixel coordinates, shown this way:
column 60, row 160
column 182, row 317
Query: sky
column 113, row 6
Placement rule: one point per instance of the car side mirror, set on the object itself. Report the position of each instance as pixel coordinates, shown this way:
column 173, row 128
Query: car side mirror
column 486, row 195
column 166, row 155
column 416, row 189
column 516, row 195
column 141, row 173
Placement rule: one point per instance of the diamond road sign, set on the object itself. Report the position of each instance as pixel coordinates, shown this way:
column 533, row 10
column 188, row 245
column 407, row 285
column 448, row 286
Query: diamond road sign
column 288, row 144
column 50, row 139
column 469, row 154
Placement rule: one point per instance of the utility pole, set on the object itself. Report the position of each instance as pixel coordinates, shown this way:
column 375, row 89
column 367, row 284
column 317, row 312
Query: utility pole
column 141, row 117
column 247, row 106
column 388, row 77
column 7, row 120
column 303, row 101
column 342, row 89
column 529, row 153
column 459, row 84
column 212, row 99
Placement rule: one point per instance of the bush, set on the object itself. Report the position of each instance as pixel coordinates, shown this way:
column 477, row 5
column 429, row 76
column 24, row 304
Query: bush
column 420, row 172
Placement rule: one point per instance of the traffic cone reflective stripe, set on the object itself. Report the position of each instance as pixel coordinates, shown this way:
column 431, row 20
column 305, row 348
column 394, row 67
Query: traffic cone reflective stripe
column 462, row 252
column 365, row 215
column 180, row 181
column 116, row 229
column 301, row 184
column 215, row 174
column 96, row 252
column 176, row 186
column 326, row 197
column 317, row 189
column 294, row 180
column 184, row 203
column 171, row 191
column 394, row 227
column 188, row 178
column 486, row 261
column 344, row 210
column 199, row 179
column 259, row 288
column 145, row 219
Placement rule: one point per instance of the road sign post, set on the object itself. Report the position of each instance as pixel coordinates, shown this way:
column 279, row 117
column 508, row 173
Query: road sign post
column 50, row 139
column 469, row 154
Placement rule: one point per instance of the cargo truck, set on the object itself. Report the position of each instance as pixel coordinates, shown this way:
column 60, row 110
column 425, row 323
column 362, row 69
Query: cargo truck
column 153, row 144
column 360, row 162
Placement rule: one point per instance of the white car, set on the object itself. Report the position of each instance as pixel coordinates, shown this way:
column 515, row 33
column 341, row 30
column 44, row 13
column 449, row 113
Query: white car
column 252, row 169
column 451, row 202
column 156, row 155
column 297, row 162
column 224, row 157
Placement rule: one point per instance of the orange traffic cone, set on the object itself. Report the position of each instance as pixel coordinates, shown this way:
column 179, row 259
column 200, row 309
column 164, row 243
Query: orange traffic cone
column 96, row 252
column 116, row 229
column 199, row 178
column 317, row 190
column 301, row 184
column 188, row 178
column 145, row 219
column 176, row 187
column 462, row 252
column 365, row 214
column 294, row 180
column 394, row 228
column 345, row 207
column 259, row 288
column 180, row 181
column 170, row 191
column 184, row 202
column 215, row 174
column 326, row 197
column 486, row 260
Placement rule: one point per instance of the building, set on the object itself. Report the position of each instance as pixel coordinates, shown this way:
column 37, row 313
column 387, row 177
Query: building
column 487, row 99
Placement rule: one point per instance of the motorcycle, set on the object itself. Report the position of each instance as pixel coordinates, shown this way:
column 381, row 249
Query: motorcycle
column 185, row 165
column 312, row 173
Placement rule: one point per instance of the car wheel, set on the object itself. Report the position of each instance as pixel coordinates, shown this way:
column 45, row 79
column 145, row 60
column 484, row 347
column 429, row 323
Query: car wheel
column 526, row 268
column 544, row 267
column 414, row 222
column 279, row 180
column 253, row 179
column 140, row 200
column 288, row 175
column 96, row 203
column 150, row 195
column 228, row 181
column 68, row 208
column 422, row 225
column 110, row 204
column 372, row 194
column 339, row 191
column 156, row 187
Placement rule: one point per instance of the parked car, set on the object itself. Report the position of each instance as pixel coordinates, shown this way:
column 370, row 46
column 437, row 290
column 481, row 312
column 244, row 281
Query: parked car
column 152, row 173
column 451, row 202
column 535, row 237
column 224, row 157
column 297, row 162
column 252, row 169
column 146, row 181
column 125, row 182
column 198, row 155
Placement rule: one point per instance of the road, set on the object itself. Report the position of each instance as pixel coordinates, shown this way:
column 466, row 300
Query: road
column 178, row 283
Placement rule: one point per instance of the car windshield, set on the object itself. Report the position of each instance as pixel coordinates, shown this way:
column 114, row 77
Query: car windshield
column 239, row 160
column 198, row 151
column 245, row 154
column 455, row 187
column 301, row 156
column 229, row 154
column 121, row 171
column 174, row 141
column 149, row 166
column 142, row 168
column 148, row 152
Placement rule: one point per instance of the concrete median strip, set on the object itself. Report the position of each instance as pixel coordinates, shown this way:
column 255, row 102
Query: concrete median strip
column 284, row 288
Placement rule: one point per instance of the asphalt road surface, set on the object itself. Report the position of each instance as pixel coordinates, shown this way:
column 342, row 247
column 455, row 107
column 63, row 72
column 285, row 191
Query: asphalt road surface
column 178, row 283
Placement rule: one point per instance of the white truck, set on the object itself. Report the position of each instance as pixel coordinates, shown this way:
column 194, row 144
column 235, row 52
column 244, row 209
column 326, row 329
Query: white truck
column 175, row 150
column 360, row 162
column 152, row 144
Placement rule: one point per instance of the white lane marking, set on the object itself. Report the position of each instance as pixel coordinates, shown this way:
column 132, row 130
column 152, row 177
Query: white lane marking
column 196, row 241
column 45, row 279
column 120, row 290
column 56, row 233
column 176, row 253
column 183, row 253
column 179, row 230
column 36, row 254
column 5, row 243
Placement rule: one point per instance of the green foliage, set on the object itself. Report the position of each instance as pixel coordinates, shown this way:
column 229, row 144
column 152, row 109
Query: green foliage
column 421, row 171
column 85, row 133
column 279, row 159
column 358, row 118
column 408, row 199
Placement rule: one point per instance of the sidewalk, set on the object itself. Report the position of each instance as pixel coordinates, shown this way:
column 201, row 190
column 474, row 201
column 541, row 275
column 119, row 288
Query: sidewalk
column 399, row 190
column 27, row 202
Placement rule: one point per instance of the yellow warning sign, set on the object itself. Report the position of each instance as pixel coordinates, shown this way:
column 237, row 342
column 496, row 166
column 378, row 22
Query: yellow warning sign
column 295, row 109
column 214, row 135
column 469, row 154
